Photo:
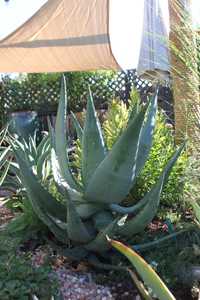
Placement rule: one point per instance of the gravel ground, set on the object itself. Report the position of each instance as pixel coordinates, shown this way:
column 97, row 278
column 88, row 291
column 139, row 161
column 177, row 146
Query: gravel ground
column 78, row 283
column 76, row 286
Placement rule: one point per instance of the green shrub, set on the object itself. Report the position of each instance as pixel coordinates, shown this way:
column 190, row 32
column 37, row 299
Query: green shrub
column 162, row 148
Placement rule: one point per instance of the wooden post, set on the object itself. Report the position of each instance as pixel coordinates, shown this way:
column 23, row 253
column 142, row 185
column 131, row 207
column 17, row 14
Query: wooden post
column 184, row 73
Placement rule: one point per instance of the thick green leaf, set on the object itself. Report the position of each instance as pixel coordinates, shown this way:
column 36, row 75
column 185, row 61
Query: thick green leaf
column 145, row 271
column 148, row 212
column 42, row 145
column 113, row 178
column 61, row 140
column 41, row 161
column 93, row 146
column 37, row 193
column 100, row 243
column 76, row 229
column 44, row 205
column 61, row 183
column 77, row 126
column 128, row 209
column 147, row 132
column 25, row 149
column 102, row 219
column 33, row 148
column 87, row 210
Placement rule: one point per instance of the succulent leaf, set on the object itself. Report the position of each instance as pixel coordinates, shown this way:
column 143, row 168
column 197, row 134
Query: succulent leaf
column 33, row 148
column 113, row 178
column 42, row 202
column 147, row 132
column 61, row 140
column 100, row 243
column 42, row 145
column 148, row 212
column 77, row 126
column 87, row 210
column 36, row 192
column 61, row 182
column 128, row 209
column 76, row 229
column 40, row 162
column 62, row 185
column 93, row 145
column 102, row 219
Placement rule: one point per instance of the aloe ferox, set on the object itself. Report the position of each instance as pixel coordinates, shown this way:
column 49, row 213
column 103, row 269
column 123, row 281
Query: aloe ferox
column 92, row 207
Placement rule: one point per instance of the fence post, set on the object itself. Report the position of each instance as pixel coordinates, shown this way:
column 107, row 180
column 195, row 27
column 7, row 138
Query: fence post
column 184, row 70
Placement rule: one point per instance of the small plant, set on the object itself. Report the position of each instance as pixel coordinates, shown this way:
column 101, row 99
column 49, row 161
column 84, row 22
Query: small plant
column 26, row 222
column 20, row 280
column 94, row 206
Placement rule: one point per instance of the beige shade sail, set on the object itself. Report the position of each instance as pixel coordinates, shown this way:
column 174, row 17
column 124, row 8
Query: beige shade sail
column 81, row 35
column 64, row 35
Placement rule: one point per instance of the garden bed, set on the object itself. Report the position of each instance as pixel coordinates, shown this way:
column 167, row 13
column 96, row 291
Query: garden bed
column 79, row 281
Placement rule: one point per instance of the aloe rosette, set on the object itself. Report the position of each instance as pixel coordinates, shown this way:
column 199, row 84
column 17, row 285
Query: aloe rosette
column 38, row 156
column 93, row 206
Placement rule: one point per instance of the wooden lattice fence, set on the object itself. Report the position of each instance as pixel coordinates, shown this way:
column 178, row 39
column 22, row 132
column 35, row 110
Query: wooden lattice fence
column 43, row 96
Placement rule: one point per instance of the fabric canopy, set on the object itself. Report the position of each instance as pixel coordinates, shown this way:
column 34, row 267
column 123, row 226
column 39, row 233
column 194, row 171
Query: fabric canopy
column 77, row 35
column 62, row 35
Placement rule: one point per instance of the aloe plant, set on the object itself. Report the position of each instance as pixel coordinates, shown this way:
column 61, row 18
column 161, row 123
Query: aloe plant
column 93, row 207
column 38, row 157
